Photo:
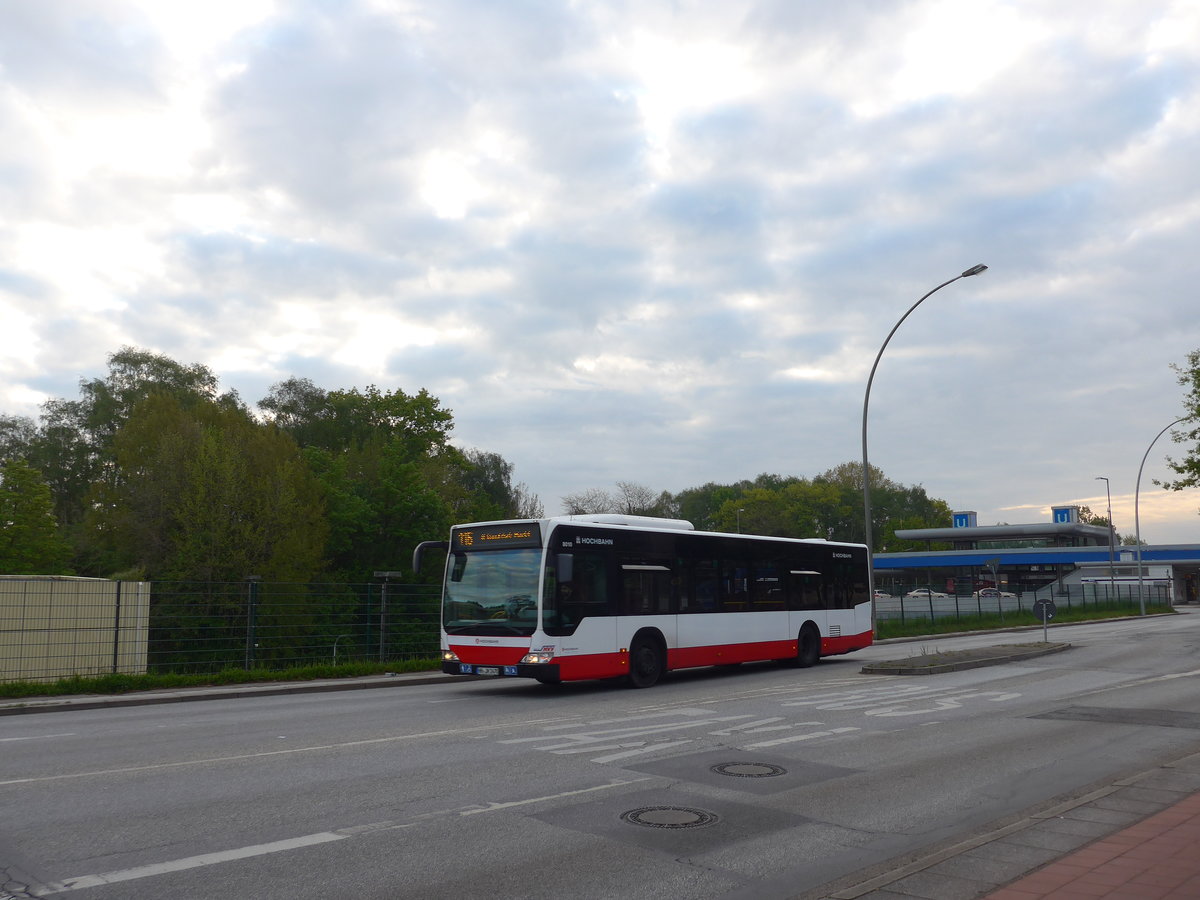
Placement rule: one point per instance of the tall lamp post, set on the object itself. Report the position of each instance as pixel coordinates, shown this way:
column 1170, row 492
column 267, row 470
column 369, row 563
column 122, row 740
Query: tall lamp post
column 866, row 473
column 1137, row 524
column 1112, row 561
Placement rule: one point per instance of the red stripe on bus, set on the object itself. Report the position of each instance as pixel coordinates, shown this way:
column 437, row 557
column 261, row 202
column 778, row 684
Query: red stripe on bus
column 608, row 665
column 489, row 656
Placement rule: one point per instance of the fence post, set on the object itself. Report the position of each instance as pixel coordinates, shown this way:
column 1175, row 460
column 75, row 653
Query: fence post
column 252, row 582
column 386, row 576
column 116, row 629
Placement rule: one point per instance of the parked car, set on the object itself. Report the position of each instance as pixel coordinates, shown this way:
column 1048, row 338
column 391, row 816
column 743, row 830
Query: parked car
column 925, row 594
column 882, row 595
column 993, row 594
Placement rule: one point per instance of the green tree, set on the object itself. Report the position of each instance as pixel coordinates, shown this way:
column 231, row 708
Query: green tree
column 701, row 505
column 203, row 492
column 342, row 419
column 389, row 474
column 17, row 434
column 380, row 504
column 487, row 477
column 827, row 506
column 74, row 444
column 30, row 543
column 1188, row 433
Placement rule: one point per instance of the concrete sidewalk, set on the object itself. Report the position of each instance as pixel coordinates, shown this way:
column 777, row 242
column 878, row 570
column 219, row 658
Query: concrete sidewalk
column 27, row 705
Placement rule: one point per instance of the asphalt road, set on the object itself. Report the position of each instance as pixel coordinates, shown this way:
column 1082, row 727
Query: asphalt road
column 758, row 782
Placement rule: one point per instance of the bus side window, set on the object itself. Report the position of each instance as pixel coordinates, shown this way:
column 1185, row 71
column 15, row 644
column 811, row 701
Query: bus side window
column 705, row 588
column 586, row 594
column 806, row 590
column 766, row 588
column 646, row 589
column 734, row 594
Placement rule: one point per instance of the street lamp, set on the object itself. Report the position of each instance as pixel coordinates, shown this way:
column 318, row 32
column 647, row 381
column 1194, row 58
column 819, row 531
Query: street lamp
column 866, row 473
column 739, row 520
column 1137, row 524
column 1112, row 581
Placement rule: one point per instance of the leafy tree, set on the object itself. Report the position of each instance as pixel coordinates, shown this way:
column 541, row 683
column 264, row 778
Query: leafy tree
column 30, row 543
column 380, row 505
column 389, row 475
column 17, row 434
column 1087, row 517
column 203, row 492
column 701, row 505
column 487, row 477
column 74, row 444
column 1188, row 467
column 342, row 419
column 827, row 506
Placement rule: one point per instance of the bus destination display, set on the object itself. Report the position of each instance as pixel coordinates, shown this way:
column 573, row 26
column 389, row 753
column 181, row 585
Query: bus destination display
column 498, row 537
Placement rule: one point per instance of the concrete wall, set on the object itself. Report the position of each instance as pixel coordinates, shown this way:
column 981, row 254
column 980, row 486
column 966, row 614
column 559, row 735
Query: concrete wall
column 56, row 626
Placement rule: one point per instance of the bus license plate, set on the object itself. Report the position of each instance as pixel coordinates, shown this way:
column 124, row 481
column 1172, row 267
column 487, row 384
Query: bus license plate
column 487, row 670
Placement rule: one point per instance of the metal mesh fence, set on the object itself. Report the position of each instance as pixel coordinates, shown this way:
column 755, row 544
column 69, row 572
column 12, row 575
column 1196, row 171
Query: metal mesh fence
column 58, row 627
column 204, row 627
column 930, row 604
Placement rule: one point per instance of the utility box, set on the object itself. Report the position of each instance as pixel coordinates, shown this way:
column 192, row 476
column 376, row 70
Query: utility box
column 56, row 626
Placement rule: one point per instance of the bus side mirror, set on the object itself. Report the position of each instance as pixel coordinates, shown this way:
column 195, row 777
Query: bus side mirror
column 420, row 551
column 564, row 568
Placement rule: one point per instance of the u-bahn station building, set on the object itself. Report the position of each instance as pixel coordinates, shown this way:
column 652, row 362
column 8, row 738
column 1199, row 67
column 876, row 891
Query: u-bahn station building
column 1045, row 558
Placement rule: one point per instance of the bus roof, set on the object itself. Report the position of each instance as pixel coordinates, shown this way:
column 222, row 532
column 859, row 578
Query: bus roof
column 651, row 523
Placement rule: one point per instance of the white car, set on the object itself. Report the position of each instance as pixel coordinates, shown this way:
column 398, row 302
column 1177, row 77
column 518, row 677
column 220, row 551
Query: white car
column 992, row 594
column 925, row 594
column 882, row 595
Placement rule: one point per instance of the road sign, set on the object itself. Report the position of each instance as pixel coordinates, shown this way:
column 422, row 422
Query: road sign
column 1044, row 610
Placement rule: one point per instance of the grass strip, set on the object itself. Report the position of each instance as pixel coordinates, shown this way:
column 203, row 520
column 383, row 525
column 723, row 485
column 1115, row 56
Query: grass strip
column 121, row 684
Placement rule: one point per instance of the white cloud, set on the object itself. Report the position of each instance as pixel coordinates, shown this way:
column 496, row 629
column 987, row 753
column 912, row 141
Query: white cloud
column 682, row 229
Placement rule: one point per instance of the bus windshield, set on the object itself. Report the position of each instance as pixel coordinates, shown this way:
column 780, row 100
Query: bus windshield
column 492, row 592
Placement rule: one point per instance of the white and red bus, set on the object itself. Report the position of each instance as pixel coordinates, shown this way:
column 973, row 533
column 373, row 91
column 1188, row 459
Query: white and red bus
column 600, row 596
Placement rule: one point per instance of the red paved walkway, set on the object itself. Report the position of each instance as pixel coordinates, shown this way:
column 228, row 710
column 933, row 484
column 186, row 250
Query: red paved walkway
column 1157, row 859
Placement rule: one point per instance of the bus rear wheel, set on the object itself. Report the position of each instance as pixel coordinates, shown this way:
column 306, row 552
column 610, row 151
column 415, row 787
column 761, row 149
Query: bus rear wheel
column 808, row 647
column 646, row 664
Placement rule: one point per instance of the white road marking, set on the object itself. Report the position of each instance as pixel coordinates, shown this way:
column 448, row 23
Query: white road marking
column 266, row 754
column 493, row 807
column 799, row 737
column 609, row 734
column 190, row 862
column 1141, row 681
column 308, row 840
column 38, row 737
column 612, row 757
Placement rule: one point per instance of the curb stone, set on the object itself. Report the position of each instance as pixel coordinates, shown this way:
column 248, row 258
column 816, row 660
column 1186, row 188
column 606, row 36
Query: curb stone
column 992, row 656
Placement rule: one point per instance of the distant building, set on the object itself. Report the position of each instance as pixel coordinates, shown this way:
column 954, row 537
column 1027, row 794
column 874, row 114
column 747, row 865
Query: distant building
column 1037, row 557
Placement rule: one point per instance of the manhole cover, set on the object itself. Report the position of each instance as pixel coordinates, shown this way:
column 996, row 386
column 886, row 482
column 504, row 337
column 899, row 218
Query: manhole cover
column 749, row 770
column 668, row 817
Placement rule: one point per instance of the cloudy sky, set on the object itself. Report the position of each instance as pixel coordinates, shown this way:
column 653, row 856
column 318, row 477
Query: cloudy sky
column 649, row 241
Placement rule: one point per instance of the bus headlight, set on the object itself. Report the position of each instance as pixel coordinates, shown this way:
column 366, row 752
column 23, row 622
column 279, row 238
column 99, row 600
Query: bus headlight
column 449, row 656
column 538, row 657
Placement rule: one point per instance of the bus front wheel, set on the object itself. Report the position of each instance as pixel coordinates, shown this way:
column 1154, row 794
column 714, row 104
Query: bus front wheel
column 646, row 663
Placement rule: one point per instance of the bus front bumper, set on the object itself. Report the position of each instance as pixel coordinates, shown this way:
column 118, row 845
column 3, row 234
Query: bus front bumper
column 540, row 671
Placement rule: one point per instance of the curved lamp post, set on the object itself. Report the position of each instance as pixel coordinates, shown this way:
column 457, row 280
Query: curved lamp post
column 1137, row 524
column 1112, row 561
column 974, row 270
